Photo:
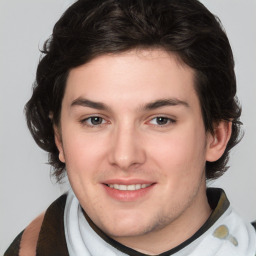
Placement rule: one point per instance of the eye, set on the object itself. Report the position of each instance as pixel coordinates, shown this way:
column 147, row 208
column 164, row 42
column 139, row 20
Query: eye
column 94, row 121
column 161, row 121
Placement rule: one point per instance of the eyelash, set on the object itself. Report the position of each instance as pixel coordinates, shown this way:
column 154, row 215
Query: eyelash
column 85, row 121
column 168, row 120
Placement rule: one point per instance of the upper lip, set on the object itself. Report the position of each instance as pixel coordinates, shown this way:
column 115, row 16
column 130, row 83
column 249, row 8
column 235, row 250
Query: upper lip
column 127, row 181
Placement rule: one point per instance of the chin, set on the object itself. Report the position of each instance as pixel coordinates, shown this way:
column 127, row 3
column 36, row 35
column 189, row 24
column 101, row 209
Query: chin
column 137, row 226
column 120, row 233
column 128, row 229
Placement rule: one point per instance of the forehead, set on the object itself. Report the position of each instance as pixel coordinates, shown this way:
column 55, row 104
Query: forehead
column 134, row 77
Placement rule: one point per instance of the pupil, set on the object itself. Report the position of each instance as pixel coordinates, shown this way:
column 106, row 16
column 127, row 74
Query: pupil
column 162, row 120
column 96, row 120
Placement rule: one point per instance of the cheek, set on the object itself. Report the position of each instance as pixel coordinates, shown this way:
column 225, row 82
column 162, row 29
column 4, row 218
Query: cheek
column 82, row 153
column 181, row 153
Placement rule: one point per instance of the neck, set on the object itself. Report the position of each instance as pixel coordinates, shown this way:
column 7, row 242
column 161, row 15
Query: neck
column 177, row 232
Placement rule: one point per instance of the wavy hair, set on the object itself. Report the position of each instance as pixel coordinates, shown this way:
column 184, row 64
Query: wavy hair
column 90, row 28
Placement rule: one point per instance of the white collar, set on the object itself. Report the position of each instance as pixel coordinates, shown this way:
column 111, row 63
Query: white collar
column 229, row 235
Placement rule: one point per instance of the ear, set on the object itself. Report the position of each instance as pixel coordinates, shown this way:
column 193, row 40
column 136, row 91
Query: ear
column 217, row 142
column 58, row 142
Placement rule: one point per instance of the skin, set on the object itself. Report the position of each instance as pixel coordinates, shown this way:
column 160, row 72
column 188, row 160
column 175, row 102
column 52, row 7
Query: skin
column 122, row 138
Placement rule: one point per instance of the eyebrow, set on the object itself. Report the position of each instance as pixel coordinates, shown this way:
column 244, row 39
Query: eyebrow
column 165, row 102
column 88, row 103
column 149, row 106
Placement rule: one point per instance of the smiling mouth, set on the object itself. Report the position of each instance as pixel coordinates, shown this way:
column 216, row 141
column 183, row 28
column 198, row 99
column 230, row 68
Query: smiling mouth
column 132, row 187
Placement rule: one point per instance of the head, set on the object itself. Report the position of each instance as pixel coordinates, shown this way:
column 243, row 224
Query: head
column 120, row 66
column 93, row 28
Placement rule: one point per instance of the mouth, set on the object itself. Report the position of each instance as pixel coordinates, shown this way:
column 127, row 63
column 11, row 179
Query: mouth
column 132, row 187
column 128, row 191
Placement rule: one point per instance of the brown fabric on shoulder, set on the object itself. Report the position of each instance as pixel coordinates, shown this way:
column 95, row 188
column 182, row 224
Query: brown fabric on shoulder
column 52, row 241
column 30, row 236
column 14, row 248
column 44, row 236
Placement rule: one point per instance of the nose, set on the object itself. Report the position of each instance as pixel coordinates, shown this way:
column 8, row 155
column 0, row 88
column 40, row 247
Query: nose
column 126, row 148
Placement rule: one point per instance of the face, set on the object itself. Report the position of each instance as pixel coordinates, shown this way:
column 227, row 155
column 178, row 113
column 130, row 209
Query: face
column 134, row 143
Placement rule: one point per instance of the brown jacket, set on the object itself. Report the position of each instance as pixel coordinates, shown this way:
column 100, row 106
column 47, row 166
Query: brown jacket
column 44, row 236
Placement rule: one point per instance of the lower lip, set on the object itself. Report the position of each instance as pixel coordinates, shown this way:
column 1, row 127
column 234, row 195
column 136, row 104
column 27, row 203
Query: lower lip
column 127, row 195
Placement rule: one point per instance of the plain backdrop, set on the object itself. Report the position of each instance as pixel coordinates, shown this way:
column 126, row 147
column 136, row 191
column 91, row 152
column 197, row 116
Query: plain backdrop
column 26, row 188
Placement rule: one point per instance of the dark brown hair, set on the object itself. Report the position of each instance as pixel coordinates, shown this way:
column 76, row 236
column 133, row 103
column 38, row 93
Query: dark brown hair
column 90, row 28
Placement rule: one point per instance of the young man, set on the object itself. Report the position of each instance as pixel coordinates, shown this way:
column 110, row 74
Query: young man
column 136, row 101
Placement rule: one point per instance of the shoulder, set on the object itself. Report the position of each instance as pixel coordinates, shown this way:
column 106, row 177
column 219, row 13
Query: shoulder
column 52, row 241
column 25, row 243
column 14, row 248
column 41, row 232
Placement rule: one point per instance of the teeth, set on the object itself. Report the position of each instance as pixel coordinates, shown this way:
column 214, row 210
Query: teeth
column 138, row 186
column 128, row 187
